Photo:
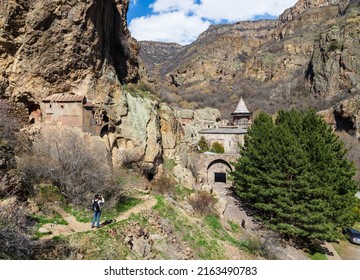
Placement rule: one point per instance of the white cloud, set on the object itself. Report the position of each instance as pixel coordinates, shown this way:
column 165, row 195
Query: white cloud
column 164, row 6
column 183, row 20
column 235, row 10
column 168, row 27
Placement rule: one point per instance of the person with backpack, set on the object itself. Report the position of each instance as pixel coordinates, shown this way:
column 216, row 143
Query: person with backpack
column 96, row 203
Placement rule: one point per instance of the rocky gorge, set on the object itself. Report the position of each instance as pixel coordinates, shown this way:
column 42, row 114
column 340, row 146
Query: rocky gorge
column 306, row 58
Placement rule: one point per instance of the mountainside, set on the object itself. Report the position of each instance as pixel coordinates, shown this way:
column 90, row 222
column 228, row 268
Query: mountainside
column 63, row 46
column 306, row 58
column 83, row 48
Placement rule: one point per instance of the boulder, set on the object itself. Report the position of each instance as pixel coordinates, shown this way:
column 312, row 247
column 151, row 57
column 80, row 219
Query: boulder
column 184, row 176
column 220, row 206
column 44, row 230
column 141, row 247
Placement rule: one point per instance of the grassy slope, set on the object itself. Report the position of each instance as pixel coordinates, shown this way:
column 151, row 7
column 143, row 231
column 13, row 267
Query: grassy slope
column 205, row 237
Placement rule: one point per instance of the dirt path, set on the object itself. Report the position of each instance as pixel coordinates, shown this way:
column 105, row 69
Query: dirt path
column 75, row 226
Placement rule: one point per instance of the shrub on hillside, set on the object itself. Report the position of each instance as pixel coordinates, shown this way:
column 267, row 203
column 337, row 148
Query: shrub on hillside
column 163, row 185
column 218, row 148
column 64, row 158
column 203, row 202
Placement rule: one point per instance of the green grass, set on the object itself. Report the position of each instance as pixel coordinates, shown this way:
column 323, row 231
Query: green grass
column 169, row 165
column 251, row 246
column 83, row 215
column 318, row 256
column 142, row 90
column 41, row 220
column 47, row 194
column 214, row 224
column 206, row 239
column 235, row 227
column 102, row 245
column 55, row 219
column 86, row 215
column 182, row 192
column 204, row 245
column 357, row 226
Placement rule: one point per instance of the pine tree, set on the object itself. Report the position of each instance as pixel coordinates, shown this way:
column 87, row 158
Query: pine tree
column 202, row 145
column 294, row 176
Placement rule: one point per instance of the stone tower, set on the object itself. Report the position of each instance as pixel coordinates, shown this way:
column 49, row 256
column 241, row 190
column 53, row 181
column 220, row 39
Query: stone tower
column 241, row 115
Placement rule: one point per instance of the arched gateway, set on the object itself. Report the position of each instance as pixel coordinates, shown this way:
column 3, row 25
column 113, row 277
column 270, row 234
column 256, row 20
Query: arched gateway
column 218, row 170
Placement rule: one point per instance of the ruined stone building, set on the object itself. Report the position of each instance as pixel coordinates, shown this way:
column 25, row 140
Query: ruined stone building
column 74, row 111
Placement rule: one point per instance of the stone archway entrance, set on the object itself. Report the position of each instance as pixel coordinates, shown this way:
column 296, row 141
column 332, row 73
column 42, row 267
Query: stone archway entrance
column 217, row 171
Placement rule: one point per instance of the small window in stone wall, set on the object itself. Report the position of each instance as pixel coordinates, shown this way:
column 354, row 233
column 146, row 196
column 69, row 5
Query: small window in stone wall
column 62, row 106
column 49, row 105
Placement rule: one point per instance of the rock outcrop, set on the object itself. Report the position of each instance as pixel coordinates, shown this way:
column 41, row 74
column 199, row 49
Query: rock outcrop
column 85, row 48
column 303, row 5
column 65, row 46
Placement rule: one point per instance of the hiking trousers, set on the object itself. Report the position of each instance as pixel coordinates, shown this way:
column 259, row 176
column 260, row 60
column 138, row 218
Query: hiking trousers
column 96, row 218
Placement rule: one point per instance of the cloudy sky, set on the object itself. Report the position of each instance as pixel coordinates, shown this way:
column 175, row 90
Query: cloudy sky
column 182, row 21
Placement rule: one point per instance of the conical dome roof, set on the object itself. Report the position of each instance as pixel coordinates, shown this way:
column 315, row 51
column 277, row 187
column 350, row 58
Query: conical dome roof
column 241, row 108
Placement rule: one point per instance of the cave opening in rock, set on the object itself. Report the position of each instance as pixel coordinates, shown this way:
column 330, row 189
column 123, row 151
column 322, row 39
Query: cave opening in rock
column 344, row 123
column 107, row 129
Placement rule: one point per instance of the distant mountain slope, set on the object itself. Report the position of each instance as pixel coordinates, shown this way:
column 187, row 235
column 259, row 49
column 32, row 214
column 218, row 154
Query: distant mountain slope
column 306, row 58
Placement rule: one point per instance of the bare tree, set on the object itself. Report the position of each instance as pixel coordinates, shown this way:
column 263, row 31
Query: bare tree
column 78, row 166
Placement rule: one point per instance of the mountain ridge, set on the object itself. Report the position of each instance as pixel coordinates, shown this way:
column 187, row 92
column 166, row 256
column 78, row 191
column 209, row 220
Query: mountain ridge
column 270, row 63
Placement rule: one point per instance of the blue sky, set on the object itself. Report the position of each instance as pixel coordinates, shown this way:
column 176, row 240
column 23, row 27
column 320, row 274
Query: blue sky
column 182, row 21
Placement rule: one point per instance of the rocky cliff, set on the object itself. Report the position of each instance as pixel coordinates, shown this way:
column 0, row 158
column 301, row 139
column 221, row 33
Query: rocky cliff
column 85, row 48
column 306, row 58
column 64, row 46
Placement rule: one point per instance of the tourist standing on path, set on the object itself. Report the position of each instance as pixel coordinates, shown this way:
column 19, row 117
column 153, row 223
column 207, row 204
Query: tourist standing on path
column 97, row 202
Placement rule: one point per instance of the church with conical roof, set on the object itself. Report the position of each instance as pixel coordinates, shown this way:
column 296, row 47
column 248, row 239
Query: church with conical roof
column 230, row 136
column 241, row 115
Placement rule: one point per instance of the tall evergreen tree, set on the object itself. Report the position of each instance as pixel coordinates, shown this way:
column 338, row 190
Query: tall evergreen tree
column 294, row 176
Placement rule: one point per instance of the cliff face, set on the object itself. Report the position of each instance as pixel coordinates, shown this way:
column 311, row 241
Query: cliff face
column 82, row 47
column 303, row 5
column 64, row 46
column 306, row 58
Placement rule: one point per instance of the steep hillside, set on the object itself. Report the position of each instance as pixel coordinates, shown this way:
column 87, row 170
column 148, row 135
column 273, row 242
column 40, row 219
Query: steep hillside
column 306, row 58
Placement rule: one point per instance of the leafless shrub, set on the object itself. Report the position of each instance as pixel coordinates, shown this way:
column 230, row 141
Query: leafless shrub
column 63, row 157
column 13, row 118
column 163, row 185
column 129, row 158
column 16, row 244
column 16, row 236
column 203, row 202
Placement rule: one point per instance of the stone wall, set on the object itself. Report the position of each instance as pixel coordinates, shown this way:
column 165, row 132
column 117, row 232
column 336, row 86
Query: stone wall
column 209, row 163
column 230, row 142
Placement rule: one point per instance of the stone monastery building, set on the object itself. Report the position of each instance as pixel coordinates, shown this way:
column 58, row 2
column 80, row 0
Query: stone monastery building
column 230, row 135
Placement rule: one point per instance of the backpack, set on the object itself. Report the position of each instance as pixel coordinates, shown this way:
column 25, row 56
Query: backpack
column 96, row 206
